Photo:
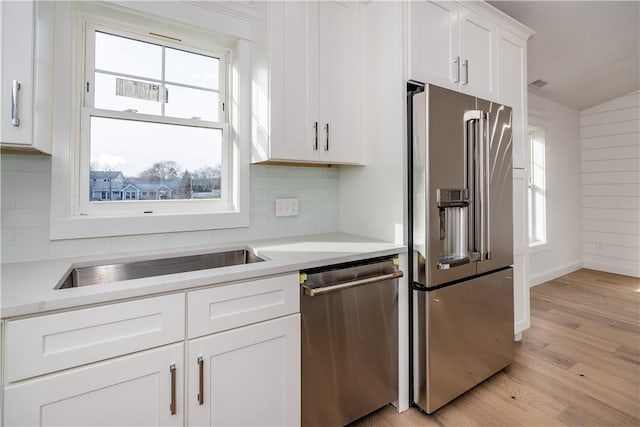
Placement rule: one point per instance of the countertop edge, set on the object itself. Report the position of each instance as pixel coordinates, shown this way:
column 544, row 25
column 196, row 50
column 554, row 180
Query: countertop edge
column 181, row 282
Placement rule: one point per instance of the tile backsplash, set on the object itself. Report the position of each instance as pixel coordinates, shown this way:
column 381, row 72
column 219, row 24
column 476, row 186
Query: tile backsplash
column 26, row 193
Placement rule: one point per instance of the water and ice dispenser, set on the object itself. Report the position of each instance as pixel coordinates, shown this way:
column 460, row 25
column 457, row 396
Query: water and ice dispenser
column 453, row 206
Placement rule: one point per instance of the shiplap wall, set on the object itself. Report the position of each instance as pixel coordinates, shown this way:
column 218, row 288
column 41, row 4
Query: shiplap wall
column 610, row 147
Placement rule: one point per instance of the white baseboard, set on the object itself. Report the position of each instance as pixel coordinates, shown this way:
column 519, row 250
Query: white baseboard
column 552, row 273
column 626, row 270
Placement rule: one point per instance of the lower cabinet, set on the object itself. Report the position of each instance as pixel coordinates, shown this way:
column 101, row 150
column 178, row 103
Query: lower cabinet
column 247, row 376
column 122, row 364
column 140, row 389
column 521, row 308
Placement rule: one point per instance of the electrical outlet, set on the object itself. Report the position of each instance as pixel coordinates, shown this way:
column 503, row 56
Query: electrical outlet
column 286, row 207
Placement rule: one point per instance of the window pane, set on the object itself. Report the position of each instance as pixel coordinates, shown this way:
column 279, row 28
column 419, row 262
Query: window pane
column 187, row 103
column 134, row 160
column 191, row 69
column 539, row 217
column 126, row 56
column 105, row 97
column 538, row 177
column 538, row 152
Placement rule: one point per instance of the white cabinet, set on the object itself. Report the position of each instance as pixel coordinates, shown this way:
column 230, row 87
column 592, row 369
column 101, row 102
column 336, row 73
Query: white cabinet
column 122, row 363
column 134, row 390
column 57, row 374
column 246, row 376
column 231, row 306
column 306, row 95
column 512, row 89
column 44, row 344
column 452, row 46
column 25, row 78
column 520, row 244
column 246, row 371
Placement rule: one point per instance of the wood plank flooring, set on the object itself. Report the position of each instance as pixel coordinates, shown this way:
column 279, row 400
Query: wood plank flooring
column 578, row 364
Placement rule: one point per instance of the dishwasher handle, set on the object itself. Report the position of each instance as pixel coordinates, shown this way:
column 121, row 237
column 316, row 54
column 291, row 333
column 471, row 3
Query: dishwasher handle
column 312, row 292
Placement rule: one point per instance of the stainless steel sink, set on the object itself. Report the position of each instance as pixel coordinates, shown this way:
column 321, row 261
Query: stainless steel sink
column 105, row 273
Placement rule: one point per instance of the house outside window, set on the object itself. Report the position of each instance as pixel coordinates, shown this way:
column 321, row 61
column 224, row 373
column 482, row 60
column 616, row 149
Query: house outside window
column 537, row 188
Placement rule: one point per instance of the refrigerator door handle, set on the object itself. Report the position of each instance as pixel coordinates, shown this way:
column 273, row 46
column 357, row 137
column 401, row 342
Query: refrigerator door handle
column 472, row 119
column 486, row 239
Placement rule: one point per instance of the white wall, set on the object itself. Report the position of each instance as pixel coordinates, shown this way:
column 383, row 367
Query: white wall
column 26, row 193
column 562, row 253
column 372, row 197
column 610, row 134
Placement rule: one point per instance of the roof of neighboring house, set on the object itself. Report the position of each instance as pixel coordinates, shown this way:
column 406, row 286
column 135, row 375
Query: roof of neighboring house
column 116, row 181
column 106, row 175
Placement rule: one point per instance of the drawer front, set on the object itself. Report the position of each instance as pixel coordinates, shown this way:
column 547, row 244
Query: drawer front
column 53, row 342
column 231, row 306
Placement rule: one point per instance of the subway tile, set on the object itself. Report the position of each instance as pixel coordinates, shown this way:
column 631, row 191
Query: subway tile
column 32, row 234
column 143, row 242
column 26, row 181
column 79, row 247
column 217, row 237
column 25, row 217
column 185, row 239
column 267, row 232
column 20, row 253
column 33, row 199
column 7, row 236
column 25, row 163
column 8, row 199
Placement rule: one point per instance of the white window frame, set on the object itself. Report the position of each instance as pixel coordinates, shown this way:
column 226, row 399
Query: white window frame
column 193, row 25
column 127, row 207
column 534, row 221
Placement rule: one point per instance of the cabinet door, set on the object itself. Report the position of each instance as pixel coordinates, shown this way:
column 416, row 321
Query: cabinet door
column 133, row 390
column 521, row 242
column 512, row 86
column 293, row 28
column 17, row 66
column 250, row 376
column 433, row 42
column 339, row 64
column 478, row 45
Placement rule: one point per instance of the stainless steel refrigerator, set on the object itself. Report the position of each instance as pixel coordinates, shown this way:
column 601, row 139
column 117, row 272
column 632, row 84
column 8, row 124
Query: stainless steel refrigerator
column 461, row 237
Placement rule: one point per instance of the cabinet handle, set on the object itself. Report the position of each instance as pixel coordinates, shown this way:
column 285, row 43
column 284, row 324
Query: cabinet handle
column 326, row 145
column 15, row 89
column 456, row 64
column 201, row 381
column 315, row 131
column 172, row 404
column 465, row 64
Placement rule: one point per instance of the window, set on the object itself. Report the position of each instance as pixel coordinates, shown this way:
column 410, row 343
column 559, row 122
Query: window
column 537, row 188
column 138, row 89
column 154, row 135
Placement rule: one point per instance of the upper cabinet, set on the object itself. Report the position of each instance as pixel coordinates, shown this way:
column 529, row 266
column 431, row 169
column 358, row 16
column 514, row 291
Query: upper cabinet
column 25, row 79
column 473, row 48
column 512, row 89
column 452, row 46
column 306, row 83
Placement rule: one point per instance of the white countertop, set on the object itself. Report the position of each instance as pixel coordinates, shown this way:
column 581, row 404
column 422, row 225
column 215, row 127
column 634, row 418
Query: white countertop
column 27, row 288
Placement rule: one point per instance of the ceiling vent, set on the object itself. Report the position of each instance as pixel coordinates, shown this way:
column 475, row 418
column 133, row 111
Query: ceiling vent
column 538, row 83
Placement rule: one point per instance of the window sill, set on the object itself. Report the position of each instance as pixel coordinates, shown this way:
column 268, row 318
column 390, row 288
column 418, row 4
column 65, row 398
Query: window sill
column 537, row 247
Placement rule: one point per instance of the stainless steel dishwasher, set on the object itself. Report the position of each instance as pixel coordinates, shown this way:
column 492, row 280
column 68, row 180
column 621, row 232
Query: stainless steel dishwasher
column 349, row 340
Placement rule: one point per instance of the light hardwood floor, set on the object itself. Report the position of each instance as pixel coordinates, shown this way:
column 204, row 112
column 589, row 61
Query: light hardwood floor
column 578, row 364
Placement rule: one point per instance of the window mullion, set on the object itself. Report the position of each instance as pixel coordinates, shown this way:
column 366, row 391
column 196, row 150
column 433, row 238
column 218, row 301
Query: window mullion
column 164, row 83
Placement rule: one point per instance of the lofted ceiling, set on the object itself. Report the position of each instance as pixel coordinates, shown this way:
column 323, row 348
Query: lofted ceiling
column 587, row 51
